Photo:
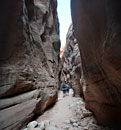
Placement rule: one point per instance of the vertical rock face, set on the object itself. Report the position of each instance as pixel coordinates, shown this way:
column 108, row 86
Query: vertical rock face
column 97, row 26
column 71, row 63
column 29, row 55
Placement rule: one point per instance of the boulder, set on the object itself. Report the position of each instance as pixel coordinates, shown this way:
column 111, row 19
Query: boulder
column 32, row 124
column 42, row 125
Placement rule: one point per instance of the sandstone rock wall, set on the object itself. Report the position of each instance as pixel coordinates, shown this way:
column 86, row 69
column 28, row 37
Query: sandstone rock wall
column 29, row 56
column 71, row 63
column 97, row 25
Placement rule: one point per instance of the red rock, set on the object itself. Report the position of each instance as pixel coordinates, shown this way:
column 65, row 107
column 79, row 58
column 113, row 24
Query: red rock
column 70, row 67
column 29, row 56
column 97, row 26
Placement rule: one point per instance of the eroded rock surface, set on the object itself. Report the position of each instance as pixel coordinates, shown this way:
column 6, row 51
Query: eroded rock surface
column 97, row 26
column 29, row 55
column 70, row 65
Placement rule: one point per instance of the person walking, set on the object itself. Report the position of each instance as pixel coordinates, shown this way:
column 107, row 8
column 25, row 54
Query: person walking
column 65, row 89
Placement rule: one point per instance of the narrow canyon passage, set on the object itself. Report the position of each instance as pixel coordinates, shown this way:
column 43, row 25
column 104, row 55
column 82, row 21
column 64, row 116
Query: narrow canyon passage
column 32, row 71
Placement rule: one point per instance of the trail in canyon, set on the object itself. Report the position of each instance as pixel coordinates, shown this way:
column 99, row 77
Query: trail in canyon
column 68, row 113
column 60, row 113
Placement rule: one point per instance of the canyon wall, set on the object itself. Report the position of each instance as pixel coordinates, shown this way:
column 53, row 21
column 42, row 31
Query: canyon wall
column 29, row 56
column 70, row 65
column 97, row 26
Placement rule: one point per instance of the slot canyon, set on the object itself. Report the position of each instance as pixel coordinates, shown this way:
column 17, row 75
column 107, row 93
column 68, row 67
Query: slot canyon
column 32, row 72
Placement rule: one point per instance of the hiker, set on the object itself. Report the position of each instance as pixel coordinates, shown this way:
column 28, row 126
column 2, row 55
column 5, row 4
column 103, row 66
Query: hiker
column 65, row 89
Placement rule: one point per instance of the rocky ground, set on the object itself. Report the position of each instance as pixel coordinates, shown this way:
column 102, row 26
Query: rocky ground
column 68, row 113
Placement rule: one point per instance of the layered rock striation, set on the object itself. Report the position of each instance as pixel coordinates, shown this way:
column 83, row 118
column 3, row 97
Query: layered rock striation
column 97, row 26
column 70, row 67
column 29, row 56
